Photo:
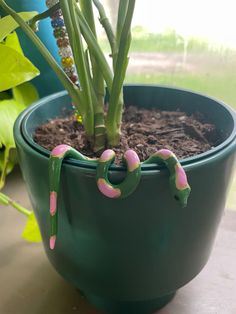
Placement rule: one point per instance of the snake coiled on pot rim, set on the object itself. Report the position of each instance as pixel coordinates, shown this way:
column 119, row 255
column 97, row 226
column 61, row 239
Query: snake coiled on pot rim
column 178, row 180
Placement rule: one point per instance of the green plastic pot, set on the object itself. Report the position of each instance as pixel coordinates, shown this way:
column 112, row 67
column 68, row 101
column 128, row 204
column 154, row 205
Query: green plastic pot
column 130, row 256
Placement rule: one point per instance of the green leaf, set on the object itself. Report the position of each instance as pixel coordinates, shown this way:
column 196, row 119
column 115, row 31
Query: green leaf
column 16, row 69
column 13, row 42
column 25, row 94
column 8, row 24
column 12, row 161
column 31, row 232
column 9, row 110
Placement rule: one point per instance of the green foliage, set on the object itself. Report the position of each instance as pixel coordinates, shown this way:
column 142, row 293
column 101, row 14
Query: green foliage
column 9, row 110
column 16, row 68
column 22, row 96
column 8, row 24
column 15, row 72
column 31, row 231
column 25, row 94
column 6, row 167
column 167, row 41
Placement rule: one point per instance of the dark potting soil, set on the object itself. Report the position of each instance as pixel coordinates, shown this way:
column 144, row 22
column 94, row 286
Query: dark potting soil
column 143, row 130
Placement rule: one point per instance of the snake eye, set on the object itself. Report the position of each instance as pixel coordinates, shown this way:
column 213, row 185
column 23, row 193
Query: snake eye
column 176, row 197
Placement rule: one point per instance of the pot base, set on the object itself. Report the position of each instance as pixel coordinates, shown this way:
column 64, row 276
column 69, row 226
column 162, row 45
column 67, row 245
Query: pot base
column 128, row 307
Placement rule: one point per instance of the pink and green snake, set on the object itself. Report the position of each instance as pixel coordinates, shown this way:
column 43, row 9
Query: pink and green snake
column 178, row 180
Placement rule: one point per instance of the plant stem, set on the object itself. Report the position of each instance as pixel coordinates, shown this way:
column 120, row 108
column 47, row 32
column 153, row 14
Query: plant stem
column 95, row 49
column 43, row 15
column 73, row 30
column 98, row 83
column 8, row 201
column 122, row 11
column 106, row 24
column 114, row 114
column 72, row 89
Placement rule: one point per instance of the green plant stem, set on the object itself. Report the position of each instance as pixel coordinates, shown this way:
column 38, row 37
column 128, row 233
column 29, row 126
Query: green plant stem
column 99, row 129
column 106, row 24
column 87, row 11
column 73, row 30
column 6, row 200
column 114, row 114
column 108, row 29
column 122, row 12
column 43, row 15
column 98, row 83
column 95, row 49
column 72, row 89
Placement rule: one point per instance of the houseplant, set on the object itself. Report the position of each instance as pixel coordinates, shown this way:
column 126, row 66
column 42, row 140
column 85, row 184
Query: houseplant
column 16, row 93
column 31, row 52
column 131, row 255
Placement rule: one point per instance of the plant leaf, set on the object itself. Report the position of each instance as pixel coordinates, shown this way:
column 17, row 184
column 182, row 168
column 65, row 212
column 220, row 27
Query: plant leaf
column 25, row 94
column 9, row 110
column 13, row 42
column 16, row 69
column 8, row 24
column 11, row 162
column 31, row 232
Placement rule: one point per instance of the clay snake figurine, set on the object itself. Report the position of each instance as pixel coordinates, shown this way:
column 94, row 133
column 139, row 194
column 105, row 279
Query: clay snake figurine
column 131, row 181
column 178, row 179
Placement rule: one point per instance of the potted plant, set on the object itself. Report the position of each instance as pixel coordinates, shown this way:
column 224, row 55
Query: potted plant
column 127, row 255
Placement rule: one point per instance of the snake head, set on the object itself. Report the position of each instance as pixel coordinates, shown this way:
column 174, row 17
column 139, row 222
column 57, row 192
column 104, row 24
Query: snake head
column 181, row 196
column 179, row 185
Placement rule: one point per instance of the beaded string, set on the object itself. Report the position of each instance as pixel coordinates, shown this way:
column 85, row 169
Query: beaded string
column 63, row 43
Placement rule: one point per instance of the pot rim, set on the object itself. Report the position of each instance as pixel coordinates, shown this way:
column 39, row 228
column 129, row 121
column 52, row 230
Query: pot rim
column 22, row 119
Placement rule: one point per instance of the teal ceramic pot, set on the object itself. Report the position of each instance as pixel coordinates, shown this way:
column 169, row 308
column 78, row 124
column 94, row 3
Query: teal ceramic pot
column 47, row 82
column 130, row 256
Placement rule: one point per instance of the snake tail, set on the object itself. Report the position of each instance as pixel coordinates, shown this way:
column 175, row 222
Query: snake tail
column 55, row 162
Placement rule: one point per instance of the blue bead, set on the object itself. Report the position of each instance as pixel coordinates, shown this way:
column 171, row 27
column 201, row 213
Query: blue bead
column 60, row 22
column 53, row 23
column 57, row 23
